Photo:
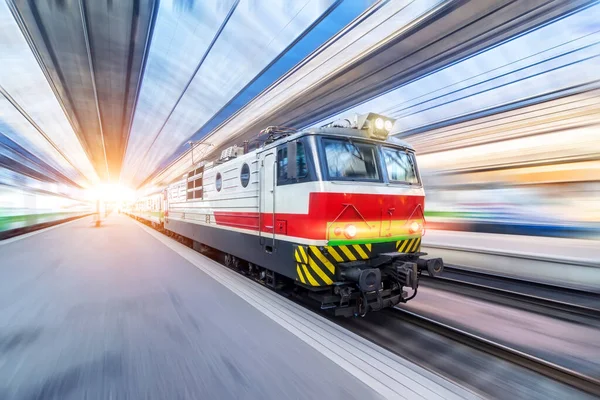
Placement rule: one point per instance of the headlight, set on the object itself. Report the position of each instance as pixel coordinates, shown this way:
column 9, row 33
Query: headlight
column 414, row 227
column 388, row 125
column 350, row 231
column 379, row 124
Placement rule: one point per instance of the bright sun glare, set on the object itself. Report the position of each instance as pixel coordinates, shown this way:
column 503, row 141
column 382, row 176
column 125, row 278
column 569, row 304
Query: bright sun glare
column 111, row 192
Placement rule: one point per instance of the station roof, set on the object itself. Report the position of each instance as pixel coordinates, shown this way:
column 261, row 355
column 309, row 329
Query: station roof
column 92, row 99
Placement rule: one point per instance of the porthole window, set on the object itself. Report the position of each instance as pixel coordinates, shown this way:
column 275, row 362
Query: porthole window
column 219, row 182
column 245, row 175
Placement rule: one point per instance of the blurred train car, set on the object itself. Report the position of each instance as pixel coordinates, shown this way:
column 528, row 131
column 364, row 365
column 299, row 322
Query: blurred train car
column 532, row 170
column 26, row 205
column 149, row 209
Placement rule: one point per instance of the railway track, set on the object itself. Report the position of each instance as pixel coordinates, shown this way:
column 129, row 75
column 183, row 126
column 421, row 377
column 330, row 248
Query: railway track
column 553, row 371
column 568, row 304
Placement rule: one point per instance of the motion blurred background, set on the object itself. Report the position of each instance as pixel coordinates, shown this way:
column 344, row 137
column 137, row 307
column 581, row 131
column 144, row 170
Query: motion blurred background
column 508, row 140
column 103, row 103
column 508, row 137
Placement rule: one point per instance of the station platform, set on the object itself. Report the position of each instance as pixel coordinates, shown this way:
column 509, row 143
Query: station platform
column 572, row 263
column 123, row 312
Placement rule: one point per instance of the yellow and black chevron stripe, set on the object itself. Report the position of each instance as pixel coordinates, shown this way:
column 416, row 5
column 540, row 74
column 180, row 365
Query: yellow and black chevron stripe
column 408, row 245
column 313, row 268
column 351, row 252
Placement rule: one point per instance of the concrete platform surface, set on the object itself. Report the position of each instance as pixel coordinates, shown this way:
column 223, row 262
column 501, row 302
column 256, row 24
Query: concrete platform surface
column 110, row 313
column 118, row 313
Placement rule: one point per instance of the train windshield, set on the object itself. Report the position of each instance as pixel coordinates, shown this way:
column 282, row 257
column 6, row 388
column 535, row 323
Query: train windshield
column 347, row 160
column 400, row 166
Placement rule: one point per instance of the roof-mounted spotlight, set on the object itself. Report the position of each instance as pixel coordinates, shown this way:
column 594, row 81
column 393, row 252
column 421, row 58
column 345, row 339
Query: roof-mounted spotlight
column 371, row 125
column 375, row 126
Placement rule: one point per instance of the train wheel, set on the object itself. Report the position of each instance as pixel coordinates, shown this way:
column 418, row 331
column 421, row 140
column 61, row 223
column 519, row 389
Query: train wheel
column 232, row 261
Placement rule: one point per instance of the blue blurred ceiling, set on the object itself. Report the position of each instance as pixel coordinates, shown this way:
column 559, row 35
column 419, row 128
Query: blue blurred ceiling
column 107, row 90
column 103, row 91
column 548, row 61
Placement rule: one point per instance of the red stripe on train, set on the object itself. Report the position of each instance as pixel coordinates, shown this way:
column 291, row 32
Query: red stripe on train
column 324, row 208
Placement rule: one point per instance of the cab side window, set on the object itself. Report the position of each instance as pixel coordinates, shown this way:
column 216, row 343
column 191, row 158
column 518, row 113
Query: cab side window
column 282, row 164
column 301, row 165
column 282, row 160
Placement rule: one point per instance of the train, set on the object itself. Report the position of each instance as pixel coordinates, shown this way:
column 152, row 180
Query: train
column 335, row 212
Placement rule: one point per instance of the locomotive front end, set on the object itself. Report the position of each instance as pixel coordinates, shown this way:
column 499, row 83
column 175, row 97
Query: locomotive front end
column 372, row 205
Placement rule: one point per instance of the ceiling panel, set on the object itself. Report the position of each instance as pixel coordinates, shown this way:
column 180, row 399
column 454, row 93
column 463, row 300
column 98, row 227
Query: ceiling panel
column 92, row 53
column 25, row 93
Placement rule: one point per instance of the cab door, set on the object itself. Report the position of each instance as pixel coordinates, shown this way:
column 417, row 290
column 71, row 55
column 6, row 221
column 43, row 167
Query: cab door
column 268, row 169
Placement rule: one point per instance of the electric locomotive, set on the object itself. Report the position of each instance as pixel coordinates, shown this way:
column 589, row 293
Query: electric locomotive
column 337, row 211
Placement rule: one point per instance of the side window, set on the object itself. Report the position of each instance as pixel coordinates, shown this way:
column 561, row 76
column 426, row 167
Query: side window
column 282, row 164
column 302, row 168
column 245, row 175
column 282, row 160
column 219, row 182
column 194, row 184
